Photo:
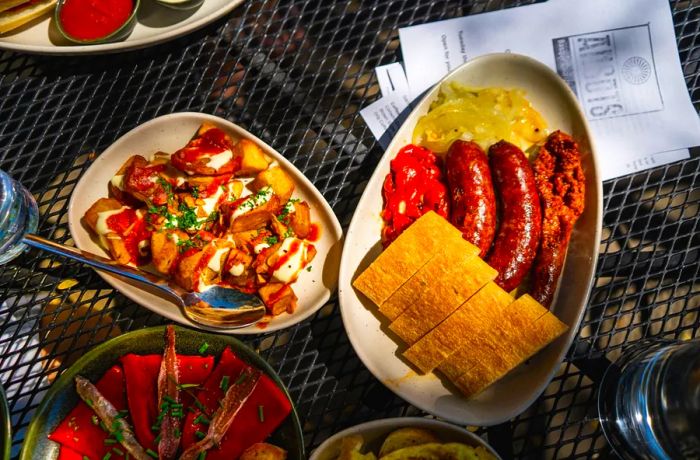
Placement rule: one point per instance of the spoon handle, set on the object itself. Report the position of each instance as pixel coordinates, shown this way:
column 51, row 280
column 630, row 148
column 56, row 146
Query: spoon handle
column 101, row 263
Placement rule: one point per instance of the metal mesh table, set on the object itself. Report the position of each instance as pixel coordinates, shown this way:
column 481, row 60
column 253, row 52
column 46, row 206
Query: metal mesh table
column 296, row 72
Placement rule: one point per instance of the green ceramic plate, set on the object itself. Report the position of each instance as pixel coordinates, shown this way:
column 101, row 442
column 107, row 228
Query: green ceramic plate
column 5, row 432
column 61, row 398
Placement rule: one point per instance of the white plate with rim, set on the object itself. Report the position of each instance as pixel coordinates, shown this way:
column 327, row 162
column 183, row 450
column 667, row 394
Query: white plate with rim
column 376, row 431
column 169, row 133
column 154, row 24
column 510, row 396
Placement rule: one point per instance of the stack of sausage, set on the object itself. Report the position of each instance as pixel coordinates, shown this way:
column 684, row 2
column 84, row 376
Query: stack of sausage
column 519, row 215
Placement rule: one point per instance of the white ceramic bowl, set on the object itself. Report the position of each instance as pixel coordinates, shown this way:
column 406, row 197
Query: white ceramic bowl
column 169, row 133
column 376, row 431
column 511, row 395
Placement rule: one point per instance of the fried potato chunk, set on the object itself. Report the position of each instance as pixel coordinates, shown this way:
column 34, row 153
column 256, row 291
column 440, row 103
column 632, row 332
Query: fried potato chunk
column 264, row 451
column 300, row 219
column 165, row 249
column 275, row 177
column 257, row 217
column 278, row 298
column 253, row 160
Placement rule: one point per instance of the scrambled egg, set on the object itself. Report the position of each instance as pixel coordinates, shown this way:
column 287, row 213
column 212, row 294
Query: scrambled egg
column 482, row 115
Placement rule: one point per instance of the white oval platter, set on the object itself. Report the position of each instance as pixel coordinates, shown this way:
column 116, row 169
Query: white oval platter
column 169, row 133
column 155, row 24
column 511, row 395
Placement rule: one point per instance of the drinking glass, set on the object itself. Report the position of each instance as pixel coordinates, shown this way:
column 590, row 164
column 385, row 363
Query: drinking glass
column 18, row 215
column 649, row 401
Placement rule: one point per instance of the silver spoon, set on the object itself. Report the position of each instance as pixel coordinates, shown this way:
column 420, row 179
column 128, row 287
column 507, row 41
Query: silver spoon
column 216, row 307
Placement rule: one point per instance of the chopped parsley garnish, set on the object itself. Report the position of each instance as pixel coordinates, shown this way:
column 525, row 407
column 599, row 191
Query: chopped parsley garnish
column 214, row 216
column 94, row 420
column 167, row 187
column 184, row 245
column 224, row 383
column 195, row 192
column 201, row 418
column 242, row 378
column 118, row 451
column 109, row 441
column 271, row 240
column 108, row 455
column 288, row 233
column 199, row 434
column 203, row 348
column 308, row 269
column 261, row 414
column 202, row 455
column 151, row 453
column 188, row 219
column 184, row 386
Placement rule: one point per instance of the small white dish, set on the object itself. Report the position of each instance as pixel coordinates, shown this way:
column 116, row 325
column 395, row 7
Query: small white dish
column 169, row 133
column 511, row 395
column 155, row 24
column 376, row 431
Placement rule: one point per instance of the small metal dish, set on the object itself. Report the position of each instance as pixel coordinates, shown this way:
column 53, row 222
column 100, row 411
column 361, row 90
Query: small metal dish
column 181, row 5
column 120, row 34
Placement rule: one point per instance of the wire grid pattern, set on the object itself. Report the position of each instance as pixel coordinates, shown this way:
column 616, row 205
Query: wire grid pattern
column 296, row 73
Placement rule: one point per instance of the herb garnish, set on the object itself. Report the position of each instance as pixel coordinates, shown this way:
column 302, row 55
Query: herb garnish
column 202, row 348
column 261, row 414
column 271, row 240
column 167, row 187
column 195, row 192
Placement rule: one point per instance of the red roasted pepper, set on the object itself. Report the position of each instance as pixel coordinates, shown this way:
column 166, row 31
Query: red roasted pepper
column 414, row 186
column 78, row 432
column 262, row 413
column 142, row 389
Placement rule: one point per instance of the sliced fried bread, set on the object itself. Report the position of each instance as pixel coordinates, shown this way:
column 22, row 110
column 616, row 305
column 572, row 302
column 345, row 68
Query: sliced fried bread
column 406, row 255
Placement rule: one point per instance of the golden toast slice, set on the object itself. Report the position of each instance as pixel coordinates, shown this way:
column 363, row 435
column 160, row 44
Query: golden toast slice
column 450, row 286
column 481, row 375
column 406, row 255
column 472, row 319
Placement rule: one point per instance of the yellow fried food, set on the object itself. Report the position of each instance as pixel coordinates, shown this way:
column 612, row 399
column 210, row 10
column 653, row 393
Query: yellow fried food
column 436, row 451
column 482, row 115
column 406, row 437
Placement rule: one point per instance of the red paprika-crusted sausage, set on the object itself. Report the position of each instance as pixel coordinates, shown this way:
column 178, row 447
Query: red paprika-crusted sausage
column 518, row 234
column 561, row 185
column 473, row 200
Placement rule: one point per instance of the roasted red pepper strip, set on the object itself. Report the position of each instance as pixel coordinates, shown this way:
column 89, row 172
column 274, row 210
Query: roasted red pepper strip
column 141, row 374
column 414, row 186
column 249, row 426
column 78, row 432
column 65, row 453
column 562, row 188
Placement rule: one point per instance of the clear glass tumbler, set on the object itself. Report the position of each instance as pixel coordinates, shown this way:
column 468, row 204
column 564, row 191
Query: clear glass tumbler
column 19, row 215
column 649, row 401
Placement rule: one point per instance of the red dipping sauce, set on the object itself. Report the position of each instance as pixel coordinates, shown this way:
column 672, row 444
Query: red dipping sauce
column 414, row 186
column 93, row 19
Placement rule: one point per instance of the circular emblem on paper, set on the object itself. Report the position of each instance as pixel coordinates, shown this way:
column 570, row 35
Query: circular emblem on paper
column 636, row 70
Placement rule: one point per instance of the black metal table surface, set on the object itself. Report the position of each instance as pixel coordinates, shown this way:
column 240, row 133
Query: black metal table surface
column 297, row 72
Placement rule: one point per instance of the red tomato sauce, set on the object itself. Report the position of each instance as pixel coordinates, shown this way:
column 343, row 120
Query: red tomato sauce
column 92, row 19
column 133, row 230
column 414, row 186
column 314, row 233
column 210, row 143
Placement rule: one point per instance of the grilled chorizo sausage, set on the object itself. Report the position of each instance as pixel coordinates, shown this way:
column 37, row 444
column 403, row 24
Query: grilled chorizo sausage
column 561, row 186
column 515, row 246
column 473, row 200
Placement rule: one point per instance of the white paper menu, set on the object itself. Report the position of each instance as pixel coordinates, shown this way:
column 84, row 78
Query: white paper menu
column 619, row 58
